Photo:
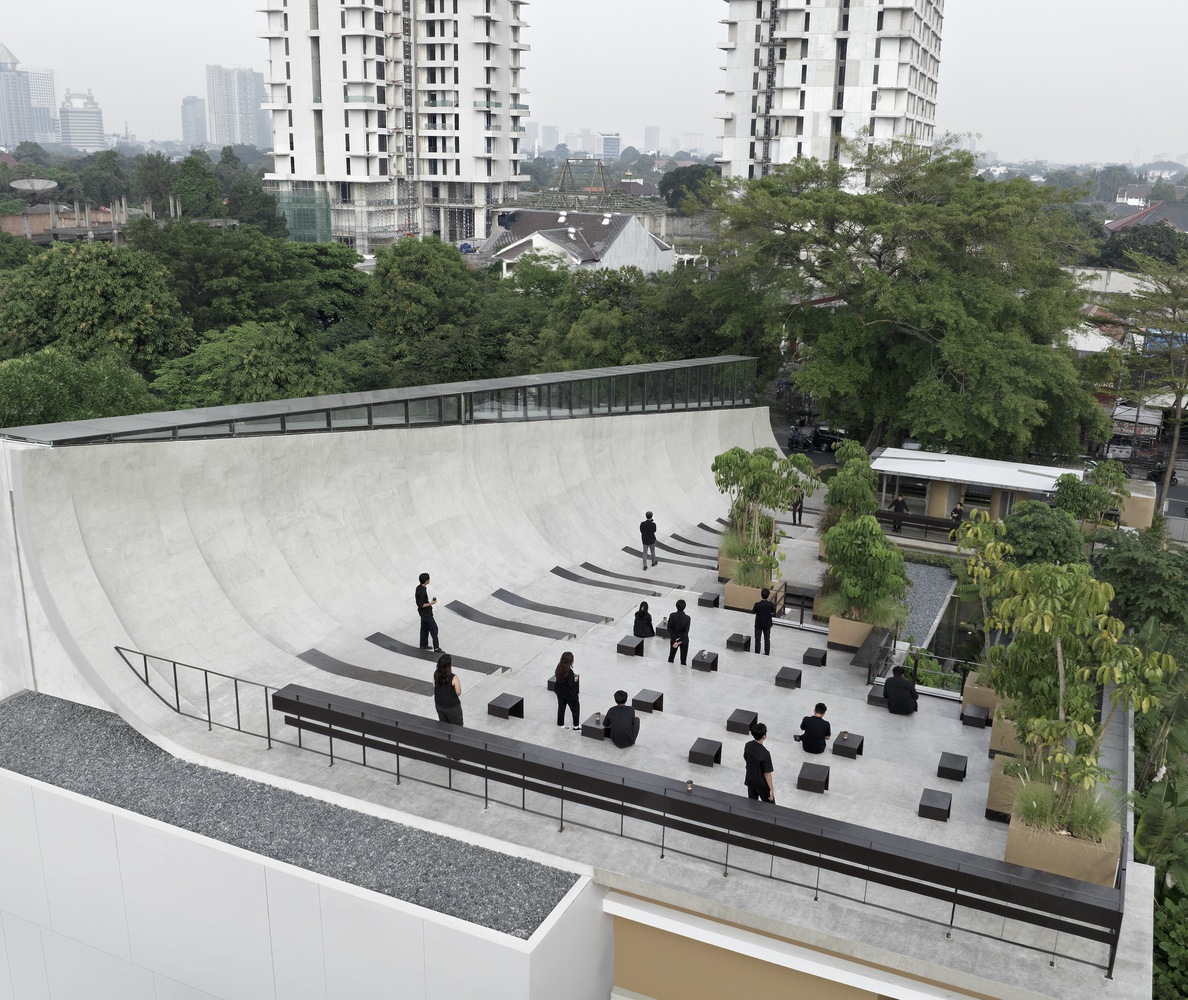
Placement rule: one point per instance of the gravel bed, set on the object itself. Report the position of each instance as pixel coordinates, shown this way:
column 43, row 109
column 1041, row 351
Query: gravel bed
column 927, row 600
column 95, row 753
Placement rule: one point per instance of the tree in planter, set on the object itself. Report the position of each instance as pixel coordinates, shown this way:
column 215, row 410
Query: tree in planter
column 851, row 491
column 1038, row 533
column 868, row 573
column 989, row 553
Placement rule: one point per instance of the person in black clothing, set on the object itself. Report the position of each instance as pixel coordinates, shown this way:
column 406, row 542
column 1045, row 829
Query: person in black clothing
column 678, row 633
column 797, row 510
column 447, row 690
column 900, row 693
column 565, row 684
column 647, row 536
column 620, row 722
column 899, row 505
column 764, row 612
column 643, row 622
column 425, row 610
column 955, row 514
column 815, row 731
column 758, row 761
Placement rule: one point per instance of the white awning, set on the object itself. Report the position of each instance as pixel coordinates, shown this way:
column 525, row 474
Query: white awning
column 970, row 471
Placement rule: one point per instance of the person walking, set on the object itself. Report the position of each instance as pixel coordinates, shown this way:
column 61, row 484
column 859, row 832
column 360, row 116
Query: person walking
column 643, row 622
column 447, row 691
column 565, row 685
column 678, row 633
column 647, row 537
column 815, row 731
column 425, row 610
column 620, row 722
column 899, row 506
column 764, row 611
column 758, row 762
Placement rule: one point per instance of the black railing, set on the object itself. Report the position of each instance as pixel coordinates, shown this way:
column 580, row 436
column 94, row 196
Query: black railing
column 918, row 869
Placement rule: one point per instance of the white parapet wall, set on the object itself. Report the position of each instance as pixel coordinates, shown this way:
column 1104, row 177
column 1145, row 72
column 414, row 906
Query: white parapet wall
column 100, row 903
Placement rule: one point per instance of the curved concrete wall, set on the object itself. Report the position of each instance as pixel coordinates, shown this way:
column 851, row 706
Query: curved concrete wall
column 239, row 554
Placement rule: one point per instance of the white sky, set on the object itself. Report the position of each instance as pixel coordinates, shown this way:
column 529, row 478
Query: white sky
column 1065, row 80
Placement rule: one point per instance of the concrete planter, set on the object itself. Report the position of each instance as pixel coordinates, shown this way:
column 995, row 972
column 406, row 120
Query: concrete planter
column 975, row 694
column 847, row 635
column 1060, row 854
column 1000, row 792
column 726, row 567
column 1004, row 739
column 740, row 598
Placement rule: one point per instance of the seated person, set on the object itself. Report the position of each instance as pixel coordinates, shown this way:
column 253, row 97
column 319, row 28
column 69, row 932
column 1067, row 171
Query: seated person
column 900, row 693
column 620, row 722
column 815, row 731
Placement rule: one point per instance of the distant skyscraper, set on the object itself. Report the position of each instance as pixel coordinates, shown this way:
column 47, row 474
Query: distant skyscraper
column 82, row 123
column 233, row 99
column 43, row 97
column 612, row 145
column 800, row 78
column 395, row 117
column 16, row 108
column 651, row 138
column 549, row 137
column 193, row 117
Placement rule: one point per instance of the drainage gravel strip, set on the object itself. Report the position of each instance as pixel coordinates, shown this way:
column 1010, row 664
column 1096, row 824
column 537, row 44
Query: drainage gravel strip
column 95, row 753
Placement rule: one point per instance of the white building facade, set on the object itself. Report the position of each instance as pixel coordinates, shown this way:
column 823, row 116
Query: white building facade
column 234, row 96
column 801, row 76
column 82, row 123
column 395, row 117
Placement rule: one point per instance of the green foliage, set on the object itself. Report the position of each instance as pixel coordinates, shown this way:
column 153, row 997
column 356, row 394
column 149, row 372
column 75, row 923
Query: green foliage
column 104, row 178
column 1163, row 243
column 951, row 303
column 1082, row 813
column 1171, row 948
column 1038, row 533
column 1161, row 835
column 690, row 190
column 14, row 251
column 868, row 571
column 248, row 363
column 197, row 189
column 1084, row 500
column 153, row 178
column 53, row 385
column 88, row 298
column 419, row 285
column 1150, row 580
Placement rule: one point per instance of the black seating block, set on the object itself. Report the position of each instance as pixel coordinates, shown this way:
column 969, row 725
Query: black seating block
column 952, row 766
column 850, row 746
column 788, row 677
column 741, row 720
column 704, row 660
column 506, row 706
column 593, row 730
column 814, row 657
column 709, row 600
column 977, row 716
column 935, row 804
column 813, row 778
column 648, row 701
column 739, row 641
column 630, row 645
column 705, row 752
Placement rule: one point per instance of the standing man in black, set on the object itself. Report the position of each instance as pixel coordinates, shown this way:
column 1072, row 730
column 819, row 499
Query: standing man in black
column 678, row 633
column 425, row 610
column 764, row 611
column 647, row 536
column 899, row 506
column 797, row 509
column 758, row 760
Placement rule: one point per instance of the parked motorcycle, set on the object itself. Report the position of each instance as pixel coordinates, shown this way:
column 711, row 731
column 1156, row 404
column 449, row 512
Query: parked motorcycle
column 1156, row 475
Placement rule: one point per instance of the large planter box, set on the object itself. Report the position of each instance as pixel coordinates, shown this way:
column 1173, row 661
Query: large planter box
column 726, row 567
column 974, row 693
column 1060, row 854
column 847, row 635
column 1000, row 792
column 740, row 598
column 1004, row 739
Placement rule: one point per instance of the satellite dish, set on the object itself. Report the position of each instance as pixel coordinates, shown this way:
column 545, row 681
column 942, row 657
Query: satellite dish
column 34, row 185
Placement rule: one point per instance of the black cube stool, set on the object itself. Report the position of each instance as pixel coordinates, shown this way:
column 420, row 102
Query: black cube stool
column 506, row 706
column 952, row 766
column 741, row 720
column 788, row 677
column 814, row 657
column 593, row 729
column 705, row 752
column 705, row 661
column 630, row 645
column 813, row 778
column 935, row 804
column 739, row 641
column 709, row 600
column 848, row 745
column 648, row 701
column 977, row 716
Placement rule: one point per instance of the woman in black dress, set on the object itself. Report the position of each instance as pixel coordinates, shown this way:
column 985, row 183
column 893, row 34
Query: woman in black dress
column 446, row 691
column 643, row 622
column 565, row 684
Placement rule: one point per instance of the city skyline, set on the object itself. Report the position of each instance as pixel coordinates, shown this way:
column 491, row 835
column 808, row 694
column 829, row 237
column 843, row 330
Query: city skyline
column 658, row 64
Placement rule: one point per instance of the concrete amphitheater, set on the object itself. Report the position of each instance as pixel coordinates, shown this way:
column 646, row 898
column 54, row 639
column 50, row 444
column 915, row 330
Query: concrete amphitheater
column 169, row 568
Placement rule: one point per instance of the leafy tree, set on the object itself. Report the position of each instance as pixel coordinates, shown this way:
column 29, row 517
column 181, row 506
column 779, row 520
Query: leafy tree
column 868, row 571
column 104, row 179
column 418, row 285
column 196, row 188
column 1081, row 498
column 52, row 385
column 228, row 169
column 1038, row 533
column 1150, row 579
column 1171, row 949
column 251, row 205
column 87, row 298
column 155, row 174
column 689, row 190
column 949, row 302
column 1159, row 241
column 1110, row 180
column 987, row 553
column 248, row 363
column 14, row 251
column 1163, row 190
column 31, row 152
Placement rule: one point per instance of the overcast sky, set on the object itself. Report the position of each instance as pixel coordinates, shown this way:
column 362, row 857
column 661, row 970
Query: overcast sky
column 1064, row 80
